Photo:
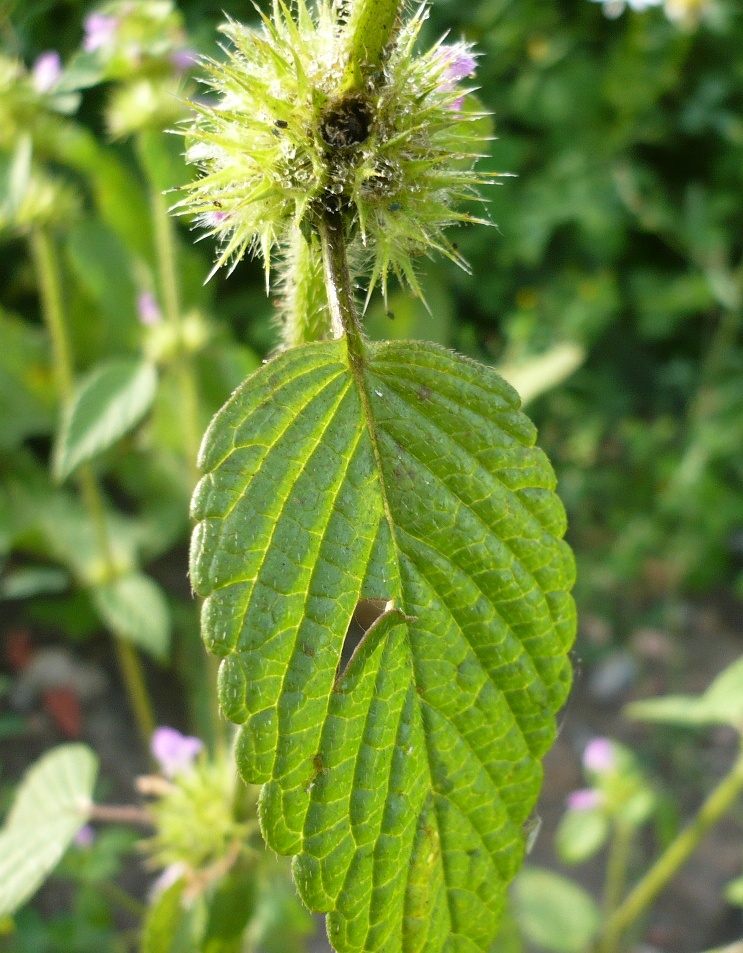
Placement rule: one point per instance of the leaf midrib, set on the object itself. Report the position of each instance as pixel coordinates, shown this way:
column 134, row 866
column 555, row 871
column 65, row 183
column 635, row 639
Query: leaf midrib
column 358, row 364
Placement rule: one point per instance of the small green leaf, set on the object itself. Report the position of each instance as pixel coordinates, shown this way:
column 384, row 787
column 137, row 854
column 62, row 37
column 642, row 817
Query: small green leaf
column 134, row 607
column 107, row 403
column 280, row 922
column 51, row 805
column 33, row 581
column 103, row 267
column 734, row 892
column 580, row 835
column 537, row 375
column 402, row 783
column 554, row 913
column 27, row 391
column 230, row 908
column 721, row 704
column 163, row 920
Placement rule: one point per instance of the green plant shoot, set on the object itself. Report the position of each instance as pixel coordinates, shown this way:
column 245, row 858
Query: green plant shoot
column 400, row 772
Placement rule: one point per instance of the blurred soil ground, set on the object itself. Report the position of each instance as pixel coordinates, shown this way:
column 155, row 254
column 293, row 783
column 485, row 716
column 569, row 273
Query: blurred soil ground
column 689, row 917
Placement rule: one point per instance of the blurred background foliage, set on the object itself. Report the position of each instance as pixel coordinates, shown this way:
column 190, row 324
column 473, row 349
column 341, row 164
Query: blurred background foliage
column 611, row 292
column 623, row 233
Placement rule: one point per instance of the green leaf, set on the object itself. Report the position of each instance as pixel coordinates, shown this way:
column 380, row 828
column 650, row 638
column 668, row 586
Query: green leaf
column 135, row 609
column 163, row 920
column 554, row 913
column 51, row 805
column 33, row 581
column 27, row 391
column 580, row 835
column 230, row 909
column 537, row 375
column 107, row 403
column 721, row 704
column 734, row 892
column 103, row 267
column 402, row 783
column 280, row 922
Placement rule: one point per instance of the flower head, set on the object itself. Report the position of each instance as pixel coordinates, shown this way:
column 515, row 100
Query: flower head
column 287, row 140
column 174, row 752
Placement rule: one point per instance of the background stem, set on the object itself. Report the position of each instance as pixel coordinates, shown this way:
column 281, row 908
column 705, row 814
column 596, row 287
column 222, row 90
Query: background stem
column 677, row 853
column 167, row 272
column 44, row 255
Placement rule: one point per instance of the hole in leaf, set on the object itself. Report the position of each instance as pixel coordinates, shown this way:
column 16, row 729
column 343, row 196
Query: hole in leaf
column 367, row 612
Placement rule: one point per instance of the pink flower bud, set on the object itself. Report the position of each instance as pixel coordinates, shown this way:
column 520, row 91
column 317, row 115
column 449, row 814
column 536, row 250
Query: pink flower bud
column 585, row 799
column 599, row 756
column 148, row 309
column 100, row 31
column 85, row 836
column 459, row 64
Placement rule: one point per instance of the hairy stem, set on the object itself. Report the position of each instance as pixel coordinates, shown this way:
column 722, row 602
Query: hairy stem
column 337, row 277
column 371, row 26
column 678, row 852
column 303, row 306
column 167, row 271
column 44, row 256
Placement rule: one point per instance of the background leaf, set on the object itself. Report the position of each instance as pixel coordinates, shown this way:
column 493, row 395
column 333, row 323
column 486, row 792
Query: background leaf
column 721, row 704
column 554, row 913
column 134, row 607
column 108, row 402
column 402, row 783
column 51, row 805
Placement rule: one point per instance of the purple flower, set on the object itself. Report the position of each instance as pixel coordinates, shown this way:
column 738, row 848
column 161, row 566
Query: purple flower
column 215, row 219
column 585, row 799
column 100, row 31
column 47, row 71
column 148, row 309
column 599, row 756
column 459, row 63
column 173, row 751
column 85, row 836
column 183, row 60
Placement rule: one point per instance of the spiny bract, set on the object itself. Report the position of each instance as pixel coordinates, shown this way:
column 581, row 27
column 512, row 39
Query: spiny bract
column 288, row 140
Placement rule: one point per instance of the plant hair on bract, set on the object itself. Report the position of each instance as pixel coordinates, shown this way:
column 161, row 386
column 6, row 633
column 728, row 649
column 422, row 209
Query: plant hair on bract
column 290, row 139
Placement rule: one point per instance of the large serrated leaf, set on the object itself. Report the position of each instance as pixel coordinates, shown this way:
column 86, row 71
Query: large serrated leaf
column 51, row 805
column 402, row 783
column 108, row 402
